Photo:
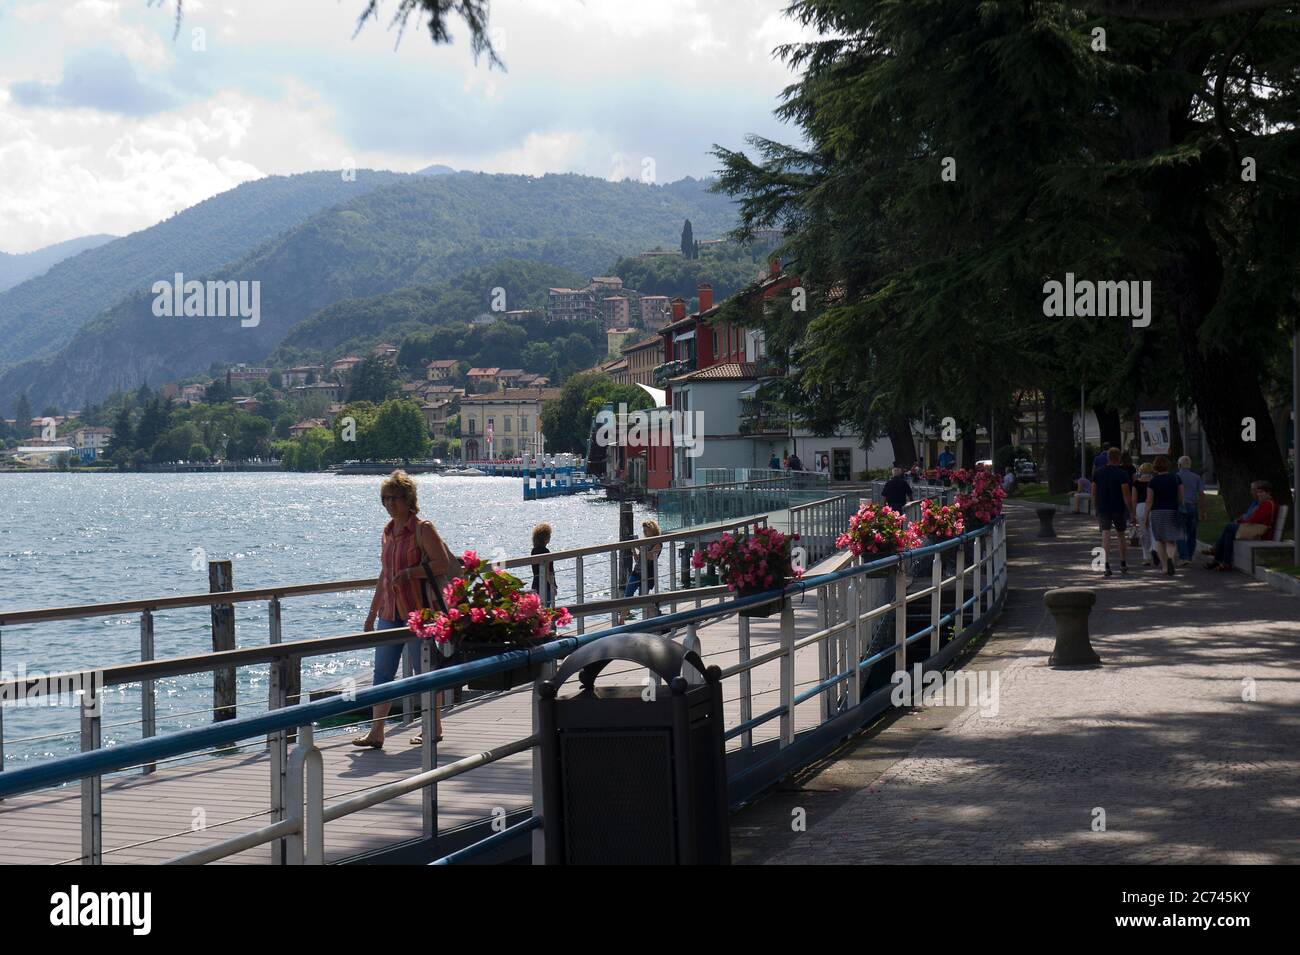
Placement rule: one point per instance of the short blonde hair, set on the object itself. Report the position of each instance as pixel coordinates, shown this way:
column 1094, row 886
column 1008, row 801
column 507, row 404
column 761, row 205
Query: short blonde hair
column 399, row 482
column 542, row 534
column 650, row 528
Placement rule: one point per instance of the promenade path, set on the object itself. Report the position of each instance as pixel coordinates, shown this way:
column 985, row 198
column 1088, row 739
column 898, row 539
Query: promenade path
column 1159, row 738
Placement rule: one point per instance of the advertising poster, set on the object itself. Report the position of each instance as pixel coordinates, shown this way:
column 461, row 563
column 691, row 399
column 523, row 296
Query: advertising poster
column 1155, row 432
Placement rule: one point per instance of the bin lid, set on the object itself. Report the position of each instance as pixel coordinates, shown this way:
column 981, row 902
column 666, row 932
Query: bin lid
column 655, row 653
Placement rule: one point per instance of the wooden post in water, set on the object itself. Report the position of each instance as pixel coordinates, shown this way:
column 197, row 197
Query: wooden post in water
column 625, row 533
column 221, row 578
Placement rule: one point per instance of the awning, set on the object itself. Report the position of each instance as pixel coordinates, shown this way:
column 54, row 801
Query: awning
column 660, row 395
column 684, row 336
column 750, row 392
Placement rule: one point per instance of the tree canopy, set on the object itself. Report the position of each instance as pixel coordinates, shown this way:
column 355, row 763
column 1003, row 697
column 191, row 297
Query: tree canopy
column 961, row 154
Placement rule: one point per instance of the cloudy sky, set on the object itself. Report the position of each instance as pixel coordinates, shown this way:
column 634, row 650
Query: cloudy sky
column 109, row 122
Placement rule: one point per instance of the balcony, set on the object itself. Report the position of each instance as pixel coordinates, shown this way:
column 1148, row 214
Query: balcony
column 765, row 421
column 671, row 369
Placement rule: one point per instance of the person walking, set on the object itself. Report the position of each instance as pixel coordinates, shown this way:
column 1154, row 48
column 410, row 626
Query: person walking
column 541, row 539
column 897, row 491
column 1140, row 488
column 775, row 463
column 1113, row 496
column 634, row 587
column 1164, row 513
column 406, row 545
column 1193, row 509
column 947, row 459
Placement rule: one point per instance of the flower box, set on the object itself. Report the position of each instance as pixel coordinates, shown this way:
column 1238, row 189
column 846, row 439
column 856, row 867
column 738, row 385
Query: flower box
column 751, row 564
column 763, row 610
column 506, row 679
column 489, row 612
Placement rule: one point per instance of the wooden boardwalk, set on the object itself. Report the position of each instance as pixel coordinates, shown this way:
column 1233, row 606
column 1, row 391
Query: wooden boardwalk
column 150, row 819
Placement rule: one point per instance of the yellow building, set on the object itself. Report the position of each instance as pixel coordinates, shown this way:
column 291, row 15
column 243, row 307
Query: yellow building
column 512, row 417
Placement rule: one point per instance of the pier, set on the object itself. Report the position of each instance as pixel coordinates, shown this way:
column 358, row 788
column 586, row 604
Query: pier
column 797, row 683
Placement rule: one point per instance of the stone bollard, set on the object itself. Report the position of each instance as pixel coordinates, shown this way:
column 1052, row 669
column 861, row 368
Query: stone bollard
column 1045, row 515
column 1070, row 607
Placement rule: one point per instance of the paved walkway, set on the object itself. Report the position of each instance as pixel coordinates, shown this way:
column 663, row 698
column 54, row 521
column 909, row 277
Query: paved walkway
column 1159, row 738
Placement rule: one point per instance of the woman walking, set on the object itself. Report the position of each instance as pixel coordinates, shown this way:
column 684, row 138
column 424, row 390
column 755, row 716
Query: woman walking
column 1164, row 513
column 406, row 543
column 648, row 529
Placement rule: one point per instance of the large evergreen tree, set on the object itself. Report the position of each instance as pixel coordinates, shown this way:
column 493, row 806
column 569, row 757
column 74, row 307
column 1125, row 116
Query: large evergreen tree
column 688, row 241
column 961, row 153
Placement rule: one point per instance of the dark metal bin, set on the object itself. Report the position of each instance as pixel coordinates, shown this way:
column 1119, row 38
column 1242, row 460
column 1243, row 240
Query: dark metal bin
column 631, row 776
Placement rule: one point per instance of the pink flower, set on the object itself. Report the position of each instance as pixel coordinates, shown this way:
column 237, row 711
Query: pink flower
column 477, row 615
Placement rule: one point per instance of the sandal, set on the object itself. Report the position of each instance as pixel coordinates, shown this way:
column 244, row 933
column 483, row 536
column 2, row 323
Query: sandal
column 367, row 742
column 419, row 740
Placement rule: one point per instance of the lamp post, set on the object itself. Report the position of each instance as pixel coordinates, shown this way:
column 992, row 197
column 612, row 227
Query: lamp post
column 1295, row 440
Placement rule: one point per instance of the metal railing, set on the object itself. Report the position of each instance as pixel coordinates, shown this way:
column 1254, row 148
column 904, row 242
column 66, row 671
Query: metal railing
column 854, row 601
column 591, row 580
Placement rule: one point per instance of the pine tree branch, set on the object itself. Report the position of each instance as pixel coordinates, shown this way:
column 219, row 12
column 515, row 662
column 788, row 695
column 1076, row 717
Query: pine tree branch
column 1177, row 9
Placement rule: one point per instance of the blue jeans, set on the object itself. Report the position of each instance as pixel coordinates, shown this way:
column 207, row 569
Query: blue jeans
column 389, row 655
column 1187, row 546
column 1224, row 549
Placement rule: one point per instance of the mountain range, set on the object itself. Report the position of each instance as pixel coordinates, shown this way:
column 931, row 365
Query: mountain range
column 16, row 268
column 397, row 231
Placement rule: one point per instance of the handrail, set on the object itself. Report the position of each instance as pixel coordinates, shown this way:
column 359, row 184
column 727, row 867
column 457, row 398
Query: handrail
column 100, row 761
column 36, row 615
column 125, row 673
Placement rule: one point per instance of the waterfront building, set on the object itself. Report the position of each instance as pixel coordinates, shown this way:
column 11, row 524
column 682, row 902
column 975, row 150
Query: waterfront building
column 513, row 417
column 91, row 436
column 436, row 412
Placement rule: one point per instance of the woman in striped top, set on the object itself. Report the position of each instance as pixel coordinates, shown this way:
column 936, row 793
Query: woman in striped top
column 405, row 542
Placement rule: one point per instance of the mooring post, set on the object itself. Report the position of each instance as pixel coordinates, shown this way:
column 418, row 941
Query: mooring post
column 221, row 579
column 1070, row 607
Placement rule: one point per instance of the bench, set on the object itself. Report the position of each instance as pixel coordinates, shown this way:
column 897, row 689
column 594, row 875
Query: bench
column 1243, row 552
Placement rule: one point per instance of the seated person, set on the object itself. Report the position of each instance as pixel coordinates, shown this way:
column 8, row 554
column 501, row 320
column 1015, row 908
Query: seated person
column 1263, row 511
column 1082, row 495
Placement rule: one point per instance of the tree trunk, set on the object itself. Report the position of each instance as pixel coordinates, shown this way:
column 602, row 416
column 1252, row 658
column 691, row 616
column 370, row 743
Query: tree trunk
column 968, row 448
column 1224, row 383
column 1061, row 462
column 1108, row 422
column 900, row 437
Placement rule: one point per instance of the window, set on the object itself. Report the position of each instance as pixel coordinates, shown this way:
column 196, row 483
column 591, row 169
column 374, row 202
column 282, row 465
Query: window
column 505, row 425
column 473, row 425
column 523, row 424
column 509, row 442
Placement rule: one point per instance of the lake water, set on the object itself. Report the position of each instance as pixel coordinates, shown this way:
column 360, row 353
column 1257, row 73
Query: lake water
column 90, row 538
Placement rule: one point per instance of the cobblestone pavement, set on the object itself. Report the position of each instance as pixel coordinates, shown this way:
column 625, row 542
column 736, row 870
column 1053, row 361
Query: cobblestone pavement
column 1159, row 739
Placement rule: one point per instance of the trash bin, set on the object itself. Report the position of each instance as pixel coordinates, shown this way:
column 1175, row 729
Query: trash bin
column 634, row 774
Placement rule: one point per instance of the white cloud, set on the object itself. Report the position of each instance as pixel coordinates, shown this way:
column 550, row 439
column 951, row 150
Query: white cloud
column 592, row 86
